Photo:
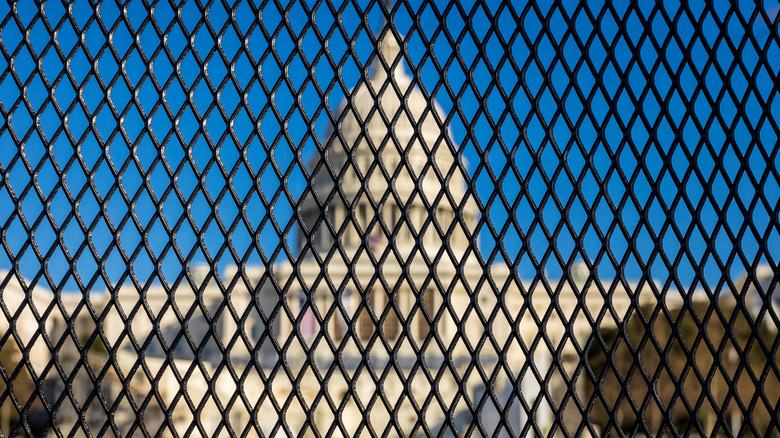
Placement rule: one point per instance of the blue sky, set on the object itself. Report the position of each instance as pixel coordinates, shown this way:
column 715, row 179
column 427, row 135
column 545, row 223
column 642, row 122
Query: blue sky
column 112, row 144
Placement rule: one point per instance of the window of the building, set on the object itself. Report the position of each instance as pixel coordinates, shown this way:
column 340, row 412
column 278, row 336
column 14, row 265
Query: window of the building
column 419, row 218
column 404, row 235
column 378, row 302
column 393, row 218
column 322, row 232
column 350, row 234
column 340, row 324
column 391, row 325
column 338, row 219
column 337, row 330
column 362, row 216
column 425, row 313
column 430, row 231
column 365, row 324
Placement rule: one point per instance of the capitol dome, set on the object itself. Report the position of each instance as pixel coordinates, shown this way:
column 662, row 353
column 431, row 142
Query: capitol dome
column 389, row 114
column 761, row 294
column 388, row 167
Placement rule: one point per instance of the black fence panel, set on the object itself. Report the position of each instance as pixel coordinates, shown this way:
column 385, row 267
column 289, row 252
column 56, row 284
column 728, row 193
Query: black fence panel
column 389, row 218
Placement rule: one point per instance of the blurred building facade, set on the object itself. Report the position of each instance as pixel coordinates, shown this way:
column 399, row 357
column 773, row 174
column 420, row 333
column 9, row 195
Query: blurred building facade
column 390, row 320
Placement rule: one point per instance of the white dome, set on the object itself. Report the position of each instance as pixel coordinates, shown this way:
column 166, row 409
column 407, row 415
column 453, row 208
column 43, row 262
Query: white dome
column 760, row 292
column 389, row 156
column 389, row 114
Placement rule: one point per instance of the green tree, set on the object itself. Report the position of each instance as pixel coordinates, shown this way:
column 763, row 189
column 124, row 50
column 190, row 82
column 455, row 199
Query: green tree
column 685, row 371
column 20, row 390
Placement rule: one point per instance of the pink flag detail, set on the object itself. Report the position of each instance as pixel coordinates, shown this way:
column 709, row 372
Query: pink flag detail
column 309, row 321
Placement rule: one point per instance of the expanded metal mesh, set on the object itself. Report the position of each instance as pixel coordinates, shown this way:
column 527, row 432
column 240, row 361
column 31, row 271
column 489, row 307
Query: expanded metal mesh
column 370, row 219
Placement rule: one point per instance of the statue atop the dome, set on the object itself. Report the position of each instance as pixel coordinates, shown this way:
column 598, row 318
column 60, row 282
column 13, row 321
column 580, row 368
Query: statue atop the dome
column 390, row 53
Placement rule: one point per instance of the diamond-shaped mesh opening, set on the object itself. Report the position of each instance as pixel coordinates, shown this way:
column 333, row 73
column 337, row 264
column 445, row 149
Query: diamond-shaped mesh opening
column 389, row 219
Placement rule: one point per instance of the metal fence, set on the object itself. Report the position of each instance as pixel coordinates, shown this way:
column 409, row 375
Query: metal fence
column 389, row 219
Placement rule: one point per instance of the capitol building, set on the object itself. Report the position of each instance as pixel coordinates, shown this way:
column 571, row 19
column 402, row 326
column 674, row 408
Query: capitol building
column 388, row 325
